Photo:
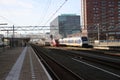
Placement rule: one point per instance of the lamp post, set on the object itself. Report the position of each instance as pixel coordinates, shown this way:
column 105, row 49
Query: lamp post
column 13, row 36
column 13, row 31
column 98, row 31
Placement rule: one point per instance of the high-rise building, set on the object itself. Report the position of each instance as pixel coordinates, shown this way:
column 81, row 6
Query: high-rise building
column 65, row 25
column 101, row 19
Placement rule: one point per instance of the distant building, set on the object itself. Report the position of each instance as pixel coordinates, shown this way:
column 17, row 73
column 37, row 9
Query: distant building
column 101, row 19
column 65, row 25
column 75, row 34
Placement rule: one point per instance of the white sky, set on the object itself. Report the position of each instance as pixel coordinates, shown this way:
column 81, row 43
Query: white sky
column 35, row 12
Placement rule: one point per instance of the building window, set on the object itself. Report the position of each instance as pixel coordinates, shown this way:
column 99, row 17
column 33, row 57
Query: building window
column 118, row 9
column 119, row 5
column 112, row 21
column 119, row 21
column 111, row 2
column 95, row 2
column 95, row 8
column 96, row 15
column 110, row 5
column 103, row 2
column 111, row 14
column 111, row 9
column 111, row 27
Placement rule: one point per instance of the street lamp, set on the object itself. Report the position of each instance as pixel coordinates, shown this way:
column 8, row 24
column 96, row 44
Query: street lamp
column 98, row 31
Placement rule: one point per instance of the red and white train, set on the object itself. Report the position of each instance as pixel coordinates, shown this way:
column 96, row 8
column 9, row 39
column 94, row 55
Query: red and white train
column 72, row 41
column 54, row 42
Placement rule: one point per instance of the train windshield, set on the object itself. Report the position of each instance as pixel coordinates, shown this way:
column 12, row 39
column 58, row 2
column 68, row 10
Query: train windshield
column 84, row 38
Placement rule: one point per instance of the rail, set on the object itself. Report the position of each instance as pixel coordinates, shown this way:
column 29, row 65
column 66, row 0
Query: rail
column 59, row 72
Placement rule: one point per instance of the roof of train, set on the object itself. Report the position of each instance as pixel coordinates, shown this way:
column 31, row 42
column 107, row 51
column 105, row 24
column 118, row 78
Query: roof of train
column 72, row 38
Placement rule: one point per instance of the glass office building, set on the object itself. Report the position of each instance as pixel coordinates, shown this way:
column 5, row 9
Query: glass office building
column 65, row 25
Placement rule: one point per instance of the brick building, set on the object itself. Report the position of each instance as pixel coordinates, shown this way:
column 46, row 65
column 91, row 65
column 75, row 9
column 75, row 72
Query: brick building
column 101, row 19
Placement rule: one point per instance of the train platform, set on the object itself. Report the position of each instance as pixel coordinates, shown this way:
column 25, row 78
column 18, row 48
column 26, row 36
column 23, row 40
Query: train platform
column 21, row 63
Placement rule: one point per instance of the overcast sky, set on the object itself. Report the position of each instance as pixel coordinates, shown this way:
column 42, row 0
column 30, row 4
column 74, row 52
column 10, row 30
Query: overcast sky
column 35, row 12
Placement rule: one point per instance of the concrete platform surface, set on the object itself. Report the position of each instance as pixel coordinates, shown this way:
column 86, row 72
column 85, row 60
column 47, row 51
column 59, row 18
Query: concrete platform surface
column 22, row 64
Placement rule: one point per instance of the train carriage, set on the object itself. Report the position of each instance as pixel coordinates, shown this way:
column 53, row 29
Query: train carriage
column 74, row 41
column 54, row 42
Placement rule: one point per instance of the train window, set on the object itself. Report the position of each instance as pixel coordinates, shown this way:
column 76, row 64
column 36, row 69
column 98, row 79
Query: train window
column 78, row 41
column 69, row 41
column 65, row 41
column 84, row 39
column 72, row 41
column 56, row 41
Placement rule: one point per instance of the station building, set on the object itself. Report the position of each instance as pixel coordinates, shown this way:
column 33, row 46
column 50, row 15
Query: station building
column 16, row 42
column 101, row 19
column 64, row 25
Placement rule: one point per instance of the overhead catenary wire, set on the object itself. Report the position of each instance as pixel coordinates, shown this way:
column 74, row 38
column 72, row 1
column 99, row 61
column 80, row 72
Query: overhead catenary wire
column 43, row 17
column 7, row 20
column 46, row 11
column 55, row 12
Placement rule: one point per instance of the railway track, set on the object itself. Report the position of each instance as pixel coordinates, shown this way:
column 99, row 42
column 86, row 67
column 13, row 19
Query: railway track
column 95, row 56
column 56, row 70
column 83, row 65
column 101, row 59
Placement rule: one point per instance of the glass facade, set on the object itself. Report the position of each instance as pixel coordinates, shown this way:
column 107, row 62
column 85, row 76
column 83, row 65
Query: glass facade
column 67, row 24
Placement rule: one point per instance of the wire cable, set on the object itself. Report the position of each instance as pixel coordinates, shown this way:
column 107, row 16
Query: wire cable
column 55, row 12
column 7, row 19
column 46, row 11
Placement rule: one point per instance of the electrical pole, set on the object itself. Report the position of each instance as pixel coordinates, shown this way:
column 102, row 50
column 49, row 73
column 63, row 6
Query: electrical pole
column 98, row 27
column 13, row 31
column 13, row 37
